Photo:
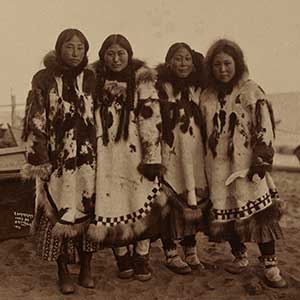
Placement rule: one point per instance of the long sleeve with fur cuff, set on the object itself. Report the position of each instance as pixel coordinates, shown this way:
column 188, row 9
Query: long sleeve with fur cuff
column 35, row 131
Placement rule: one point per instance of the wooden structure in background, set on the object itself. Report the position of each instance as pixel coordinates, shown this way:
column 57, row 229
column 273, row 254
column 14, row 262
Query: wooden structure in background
column 16, row 195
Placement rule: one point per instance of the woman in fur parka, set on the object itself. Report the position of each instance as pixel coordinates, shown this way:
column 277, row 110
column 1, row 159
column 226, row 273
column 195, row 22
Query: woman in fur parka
column 180, row 81
column 239, row 144
column 60, row 140
column 128, row 192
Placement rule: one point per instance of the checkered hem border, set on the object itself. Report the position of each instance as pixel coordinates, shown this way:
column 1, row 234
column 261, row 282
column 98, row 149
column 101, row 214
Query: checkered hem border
column 247, row 210
column 134, row 216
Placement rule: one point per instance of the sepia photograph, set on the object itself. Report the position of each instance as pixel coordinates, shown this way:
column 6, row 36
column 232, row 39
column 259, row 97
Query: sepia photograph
column 150, row 150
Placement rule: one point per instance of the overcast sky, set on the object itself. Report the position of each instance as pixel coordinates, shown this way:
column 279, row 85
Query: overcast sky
column 267, row 31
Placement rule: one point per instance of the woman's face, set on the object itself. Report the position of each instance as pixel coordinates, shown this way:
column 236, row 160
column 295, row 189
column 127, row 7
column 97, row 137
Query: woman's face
column 116, row 58
column 73, row 51
column 223, row 67
column 182, row 63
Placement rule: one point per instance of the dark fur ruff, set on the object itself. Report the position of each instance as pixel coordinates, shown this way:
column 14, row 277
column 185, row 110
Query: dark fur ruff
column 58, row 229
column 122, row 234
column 260, row 228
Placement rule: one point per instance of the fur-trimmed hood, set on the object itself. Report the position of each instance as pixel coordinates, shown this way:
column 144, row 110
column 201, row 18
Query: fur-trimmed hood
column 50, row 61
column 51, row 64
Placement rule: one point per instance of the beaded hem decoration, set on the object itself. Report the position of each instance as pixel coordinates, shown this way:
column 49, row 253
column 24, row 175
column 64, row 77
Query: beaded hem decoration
column 247, row 210
column 49, row 247
column 268, row 260
column 134, row 216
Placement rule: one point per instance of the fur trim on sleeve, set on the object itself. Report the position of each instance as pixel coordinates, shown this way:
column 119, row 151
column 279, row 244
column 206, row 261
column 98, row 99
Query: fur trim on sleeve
column 145, row 74
column 251, row 92
column 30, row 171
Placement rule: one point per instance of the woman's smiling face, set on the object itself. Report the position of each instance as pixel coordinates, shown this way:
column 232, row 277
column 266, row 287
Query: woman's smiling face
column 182, row 63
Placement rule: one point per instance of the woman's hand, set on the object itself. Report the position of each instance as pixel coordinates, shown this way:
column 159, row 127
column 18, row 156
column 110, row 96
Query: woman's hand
column 258, row 172
column 151, row 171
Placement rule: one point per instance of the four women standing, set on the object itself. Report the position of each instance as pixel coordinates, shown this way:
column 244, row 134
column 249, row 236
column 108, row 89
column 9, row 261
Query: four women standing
column 158, row 138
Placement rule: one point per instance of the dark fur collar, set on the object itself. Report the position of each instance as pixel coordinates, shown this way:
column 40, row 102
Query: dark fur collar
column 51, row 63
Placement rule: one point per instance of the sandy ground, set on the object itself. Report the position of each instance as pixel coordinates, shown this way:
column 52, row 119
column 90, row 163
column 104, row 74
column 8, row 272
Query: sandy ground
column 24, row 277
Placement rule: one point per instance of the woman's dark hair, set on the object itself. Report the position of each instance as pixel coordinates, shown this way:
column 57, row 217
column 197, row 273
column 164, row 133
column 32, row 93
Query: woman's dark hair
column 66, row 36
column 231, row 48
column 174, row 48
column 127, row 75
column 197, row 61
column 120, row 40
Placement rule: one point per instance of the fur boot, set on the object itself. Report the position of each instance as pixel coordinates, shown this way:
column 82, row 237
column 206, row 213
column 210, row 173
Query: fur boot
column 272, row 274
column 191, row 258
column 239, row 264
column 85, row 276
column 175, row 263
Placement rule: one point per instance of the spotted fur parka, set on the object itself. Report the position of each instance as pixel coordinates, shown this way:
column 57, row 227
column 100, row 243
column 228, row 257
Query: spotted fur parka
column 129, row 199
column 239, row 141
column 60, row 140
